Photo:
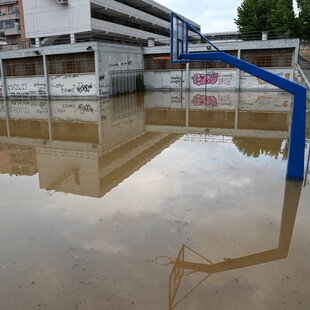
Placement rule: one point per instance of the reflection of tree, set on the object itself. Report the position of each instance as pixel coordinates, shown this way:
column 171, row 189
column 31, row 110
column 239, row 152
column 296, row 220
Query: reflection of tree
column 254, row 147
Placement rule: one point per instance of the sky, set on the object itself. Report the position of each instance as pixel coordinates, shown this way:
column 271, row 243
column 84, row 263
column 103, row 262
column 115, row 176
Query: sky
column 211, row 15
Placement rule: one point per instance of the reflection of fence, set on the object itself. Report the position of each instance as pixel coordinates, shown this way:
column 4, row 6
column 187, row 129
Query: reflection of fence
column 126, row 81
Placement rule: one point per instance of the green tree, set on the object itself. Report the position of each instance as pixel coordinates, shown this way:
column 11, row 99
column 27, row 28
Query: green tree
column 253, row 15
column 267, row 15
column 282, row 19
column 303, row 21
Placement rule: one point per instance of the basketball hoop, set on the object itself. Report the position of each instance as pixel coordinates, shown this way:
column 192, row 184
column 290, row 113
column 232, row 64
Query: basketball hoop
column 164, row 260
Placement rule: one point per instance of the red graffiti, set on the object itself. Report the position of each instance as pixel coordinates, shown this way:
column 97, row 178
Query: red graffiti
column 204, row 101
column 203, row 79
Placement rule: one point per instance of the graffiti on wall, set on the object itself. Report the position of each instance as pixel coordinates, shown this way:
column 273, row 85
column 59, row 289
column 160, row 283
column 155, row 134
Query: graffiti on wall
column 203, row 78
column 274, row 101
column 212, row 78
column 121, row 63
column 81, row 87
column 26, row 109
column 176, row 80
column 204, row 101
column 25, row 87
column 212, row 101
column 72, row 85
column 85, row 111
column 247, row 80
column 103, row 86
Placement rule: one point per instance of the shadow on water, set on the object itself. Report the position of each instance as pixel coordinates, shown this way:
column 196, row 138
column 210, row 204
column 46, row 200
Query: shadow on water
column 183, row 267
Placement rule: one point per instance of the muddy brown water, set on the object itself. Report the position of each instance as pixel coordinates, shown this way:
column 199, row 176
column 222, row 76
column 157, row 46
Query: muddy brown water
column 93, row 192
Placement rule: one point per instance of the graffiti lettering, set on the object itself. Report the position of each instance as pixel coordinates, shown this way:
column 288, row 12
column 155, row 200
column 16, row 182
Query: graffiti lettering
column 176, row 80
column 85, row 108
column 19, row 110
column 176, row 99
column 84, row 87
column 121, row 63
column 55, row 77
column 203, row 79
column 261, row 82
column 19, row 94
column 204, row 101
column 17, row 86
column 225, row 80
column 57, row 85
column 263, row 100
column 101, row 77
column 67, row 90
column 39, row 85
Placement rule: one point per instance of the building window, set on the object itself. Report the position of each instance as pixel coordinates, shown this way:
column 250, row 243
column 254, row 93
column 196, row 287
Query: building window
column 30, row 66
column 269, row 57
column 212, row 64
column 71, row 63
column 161, row 62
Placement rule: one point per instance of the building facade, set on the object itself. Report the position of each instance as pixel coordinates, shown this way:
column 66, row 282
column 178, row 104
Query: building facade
column 99, row 48
column 116, row 21
column 277, row 56
column 12, row 26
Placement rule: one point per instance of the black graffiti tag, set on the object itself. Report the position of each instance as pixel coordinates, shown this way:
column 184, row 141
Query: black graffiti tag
column 84, row 87
column 85, row 108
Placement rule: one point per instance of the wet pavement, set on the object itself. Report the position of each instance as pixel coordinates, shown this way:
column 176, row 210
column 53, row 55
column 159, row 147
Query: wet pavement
column 94, row 192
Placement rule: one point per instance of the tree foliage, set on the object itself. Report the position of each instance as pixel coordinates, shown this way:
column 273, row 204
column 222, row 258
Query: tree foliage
column 303, row 19
column 253, row 15
column 275, row 16
column 282, row 18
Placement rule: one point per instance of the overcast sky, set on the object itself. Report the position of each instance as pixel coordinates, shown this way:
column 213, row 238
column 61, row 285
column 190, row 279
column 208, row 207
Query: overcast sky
column 212, row 15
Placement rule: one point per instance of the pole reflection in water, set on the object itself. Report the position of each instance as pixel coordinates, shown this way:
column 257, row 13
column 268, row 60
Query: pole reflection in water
column 306, row 180
column 183, row 267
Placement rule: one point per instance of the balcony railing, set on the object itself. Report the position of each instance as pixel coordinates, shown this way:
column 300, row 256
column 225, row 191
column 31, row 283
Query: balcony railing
column 8, row 16
column 12, row 31
column 8, row 1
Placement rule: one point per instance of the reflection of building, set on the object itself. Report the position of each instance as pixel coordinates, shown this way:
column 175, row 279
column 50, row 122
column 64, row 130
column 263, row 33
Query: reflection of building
column 88, row 147
column 18, row 159
column 224, row 110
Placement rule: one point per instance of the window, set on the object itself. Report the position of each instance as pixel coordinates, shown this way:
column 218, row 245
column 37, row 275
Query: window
column 212, row 65
column 71, row 63
column 24, row 66
column 160, row 62
column 281, row 57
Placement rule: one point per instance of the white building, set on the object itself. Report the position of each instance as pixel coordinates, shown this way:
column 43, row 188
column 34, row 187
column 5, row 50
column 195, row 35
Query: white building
column 125, row 21
column 99, row 48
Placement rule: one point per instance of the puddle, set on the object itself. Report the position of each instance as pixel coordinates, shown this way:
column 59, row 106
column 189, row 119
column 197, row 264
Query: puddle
column 93, row 192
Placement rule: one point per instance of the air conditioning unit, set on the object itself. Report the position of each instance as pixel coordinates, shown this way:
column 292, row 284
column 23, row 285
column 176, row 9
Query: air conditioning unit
column 62, row 1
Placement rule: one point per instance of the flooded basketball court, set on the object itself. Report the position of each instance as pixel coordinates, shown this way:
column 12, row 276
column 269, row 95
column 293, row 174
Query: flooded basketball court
column 96, row 195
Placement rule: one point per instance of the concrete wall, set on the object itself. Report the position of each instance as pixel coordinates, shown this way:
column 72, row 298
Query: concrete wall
column 305, row 51
column 68, row 110
column 212, row 79
column 220, row 101
column 45, row 18
column 116, row 64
